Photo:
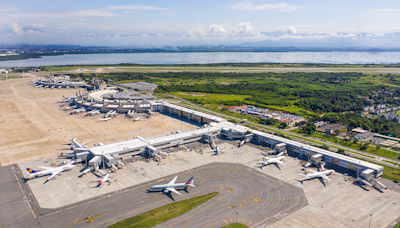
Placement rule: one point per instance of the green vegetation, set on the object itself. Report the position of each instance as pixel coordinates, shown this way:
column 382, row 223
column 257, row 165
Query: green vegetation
column 394, row 163
column 233, row 225
column 353, row 144
column 388, row 172
column 164, row 213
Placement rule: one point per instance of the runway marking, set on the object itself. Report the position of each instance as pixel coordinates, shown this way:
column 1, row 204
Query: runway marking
column 87, row 205
column 249, row 223
column 140, row 207
column 191, row 172
column 6, row 181
column 231, row 219
column 202, row 218
column 15, row 219
column 219, row 163
column 9, row 194
column 244, row 220
column 226, row 221
column 237, row 160
column 318, row 219
column 200, row 211
column 252, row 212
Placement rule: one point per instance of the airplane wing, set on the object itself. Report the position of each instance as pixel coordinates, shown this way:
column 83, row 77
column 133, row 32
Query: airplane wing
column 325, row 177
column 310, row 170
column 83, row 144
column 280, row 163
column 48, row 168
column 173, row 190
column 54, row 174
column 173, row 180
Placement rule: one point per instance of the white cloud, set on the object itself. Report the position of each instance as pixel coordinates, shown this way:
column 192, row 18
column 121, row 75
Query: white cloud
column 71, row 15
column 379, row 34
column 243, row 30
column 135, row 7
column 37, row 26
column 144, row 35
column 281, row 7
column 16, row 28
column 292, row 30
column 5, row 9
column 386, row 12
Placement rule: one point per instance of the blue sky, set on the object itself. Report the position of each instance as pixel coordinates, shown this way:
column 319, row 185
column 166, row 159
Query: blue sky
column 160, row 23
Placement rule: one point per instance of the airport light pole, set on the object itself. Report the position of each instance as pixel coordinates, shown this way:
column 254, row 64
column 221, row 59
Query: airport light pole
column 370, row 218
column 237, row 214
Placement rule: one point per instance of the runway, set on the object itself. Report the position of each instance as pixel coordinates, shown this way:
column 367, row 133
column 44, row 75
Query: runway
column 259, row 198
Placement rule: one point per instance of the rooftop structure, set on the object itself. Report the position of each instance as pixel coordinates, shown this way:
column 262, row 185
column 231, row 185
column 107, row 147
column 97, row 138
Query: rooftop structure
column 141, row 86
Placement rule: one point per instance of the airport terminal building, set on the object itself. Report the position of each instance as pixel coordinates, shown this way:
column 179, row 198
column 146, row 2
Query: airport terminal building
column 213, row 126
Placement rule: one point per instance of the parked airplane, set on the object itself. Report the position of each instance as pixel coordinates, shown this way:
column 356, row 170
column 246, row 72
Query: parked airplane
column 48, row 170
column 267, row 161
column 216, row 149
column 73, row 97
column 309, row 174
column 106, row 178
column 78, row 146
column 105, row 119
column 171, row 186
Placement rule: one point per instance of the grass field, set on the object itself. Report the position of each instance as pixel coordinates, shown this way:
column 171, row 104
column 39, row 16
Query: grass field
column 164, row 213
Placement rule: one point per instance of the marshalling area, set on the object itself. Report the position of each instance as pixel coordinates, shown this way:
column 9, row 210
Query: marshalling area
column 34, row 130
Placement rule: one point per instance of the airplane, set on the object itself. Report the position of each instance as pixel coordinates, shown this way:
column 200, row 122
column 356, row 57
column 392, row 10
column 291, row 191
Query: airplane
column 104, row 179
column 217, row 150
column 73, row 97
column 309, row 174
column 77, row 146
column 171, row 186
column 48, row 170
column 105, row 119
column 267, row 161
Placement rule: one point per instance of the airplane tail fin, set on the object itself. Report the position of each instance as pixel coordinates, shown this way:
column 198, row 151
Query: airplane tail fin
column 30, row 171
column 305, row 172
column 190, row 182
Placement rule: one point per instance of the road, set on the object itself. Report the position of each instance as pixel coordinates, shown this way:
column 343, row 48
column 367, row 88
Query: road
column 377, row 159
column 259, row 198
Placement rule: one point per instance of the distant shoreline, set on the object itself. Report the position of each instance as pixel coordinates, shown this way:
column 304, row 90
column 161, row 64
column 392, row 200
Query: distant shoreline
column 31, row 55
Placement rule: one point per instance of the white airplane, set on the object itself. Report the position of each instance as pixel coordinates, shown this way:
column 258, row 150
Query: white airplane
column 135, row 118
column 267, row 161
column 78, row 146
column 73, row 97
column 217, row 150
column 106, row 178
column 308, row 173
column 171, row 186
column 105, row 119
column 48, row 170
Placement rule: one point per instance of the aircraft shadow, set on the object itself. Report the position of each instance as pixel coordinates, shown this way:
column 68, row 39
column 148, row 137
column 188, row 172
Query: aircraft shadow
column 320, row 180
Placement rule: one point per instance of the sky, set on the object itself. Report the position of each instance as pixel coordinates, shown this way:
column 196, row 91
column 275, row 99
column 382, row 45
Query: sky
column 347, row 23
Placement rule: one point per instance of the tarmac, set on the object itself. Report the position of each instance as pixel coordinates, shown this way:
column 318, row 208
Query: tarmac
column 33, row 126
column 258, row 197
column 340, row 203
column 15, row 210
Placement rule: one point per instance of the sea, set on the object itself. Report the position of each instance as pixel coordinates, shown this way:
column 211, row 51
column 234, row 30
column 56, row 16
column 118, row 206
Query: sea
column 210, row 57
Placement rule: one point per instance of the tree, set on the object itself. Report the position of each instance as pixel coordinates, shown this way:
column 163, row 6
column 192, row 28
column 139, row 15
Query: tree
column 364, row 147
column 341, row 151
column 309, row 128
column 337, row 132
column 282, row 125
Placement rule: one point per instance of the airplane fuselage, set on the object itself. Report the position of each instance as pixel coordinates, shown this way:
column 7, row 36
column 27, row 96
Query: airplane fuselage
column 50, row 171
column 319, row 174
column 164, row 186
